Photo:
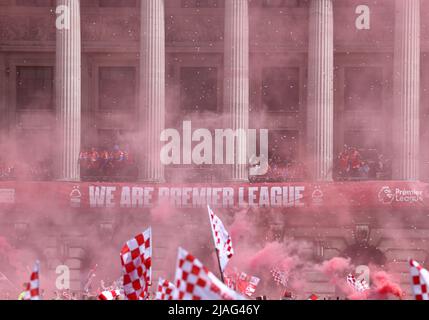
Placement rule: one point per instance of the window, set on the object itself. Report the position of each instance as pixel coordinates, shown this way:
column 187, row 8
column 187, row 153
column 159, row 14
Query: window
column 283, row 146
column 34, row 88
column 280, row 89
column 198, row 89
column 283, row 157
column 118, row 3
column 35, row 142
column 203, row 3
column 108, row 138
column 363, row 88
column 368, row 142
column 117, row 87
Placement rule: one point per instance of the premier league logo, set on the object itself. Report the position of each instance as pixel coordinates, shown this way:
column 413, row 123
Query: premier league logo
column 386, row 195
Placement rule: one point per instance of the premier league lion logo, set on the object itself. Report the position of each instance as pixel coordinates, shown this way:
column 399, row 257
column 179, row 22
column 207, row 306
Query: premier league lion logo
column 386, row 195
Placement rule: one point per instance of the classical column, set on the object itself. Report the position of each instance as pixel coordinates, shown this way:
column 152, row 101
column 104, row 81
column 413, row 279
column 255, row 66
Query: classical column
column 236, row 86
column 68, row 90
column 4, row 123
column 320, row 99
column 152, row 89
column 406, row 90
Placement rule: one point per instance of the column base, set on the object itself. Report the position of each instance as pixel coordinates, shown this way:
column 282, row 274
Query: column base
column 68, row 180
column 151, row 181
column 237, row 180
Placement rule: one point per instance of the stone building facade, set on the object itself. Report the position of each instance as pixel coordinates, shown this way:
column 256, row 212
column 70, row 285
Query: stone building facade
column 310, row 71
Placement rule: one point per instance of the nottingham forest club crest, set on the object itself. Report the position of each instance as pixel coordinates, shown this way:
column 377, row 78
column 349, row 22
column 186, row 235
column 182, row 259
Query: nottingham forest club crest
column 317, row 196
column 75, row 197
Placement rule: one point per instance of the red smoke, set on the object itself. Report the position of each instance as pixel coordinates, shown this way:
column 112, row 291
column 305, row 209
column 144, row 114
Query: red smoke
column 241, row 228
column 272, row 255
column 383, row 286
column 336, row 266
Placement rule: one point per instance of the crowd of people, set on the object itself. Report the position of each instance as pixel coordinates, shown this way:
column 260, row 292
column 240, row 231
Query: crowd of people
column 281, row 169
column 351, row 164
column 104, row 164
column 7, row 171
column 95, row 163
column 69, row 295
column 288, row 170
column 107, row 164
column 35, row 171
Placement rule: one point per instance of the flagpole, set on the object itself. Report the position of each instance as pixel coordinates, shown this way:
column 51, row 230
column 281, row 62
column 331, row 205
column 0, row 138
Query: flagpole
column 220, row 268
column 10, row 282
column 216, row 250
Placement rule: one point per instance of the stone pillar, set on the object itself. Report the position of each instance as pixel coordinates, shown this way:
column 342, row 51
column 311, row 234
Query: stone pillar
column 320, row 99
column 152, row 89
column 236, row 73
column 4, row 123
column 406, row 90
column 68, row 92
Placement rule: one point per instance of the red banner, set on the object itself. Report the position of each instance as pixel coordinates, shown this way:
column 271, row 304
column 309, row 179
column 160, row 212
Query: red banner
column 133, row 196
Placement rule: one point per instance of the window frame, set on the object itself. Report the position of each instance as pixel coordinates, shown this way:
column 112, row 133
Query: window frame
column 51, row 106
column 187, row 110
column 98, row 94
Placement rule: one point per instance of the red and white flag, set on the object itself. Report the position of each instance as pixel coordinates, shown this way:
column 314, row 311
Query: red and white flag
column 109, row 295
column 90, row 277
column 420, row 280
column 166, row 290
column 221, row 239
column 231, row 281
column 247, row 284
column 195, row 282
column 33, row 288
column 279, row 277
column 313, row 297
column 241, row 282
column 357, row 285
column 136, row 258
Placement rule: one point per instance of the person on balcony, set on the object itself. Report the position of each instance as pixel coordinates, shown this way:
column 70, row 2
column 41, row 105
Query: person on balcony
column 355, row 162
column 343, row 163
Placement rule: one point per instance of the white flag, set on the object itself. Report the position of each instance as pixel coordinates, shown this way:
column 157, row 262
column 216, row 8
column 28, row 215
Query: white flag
column 109, row 295
column 3, row 277
column 357, row 285
column 221, row 239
